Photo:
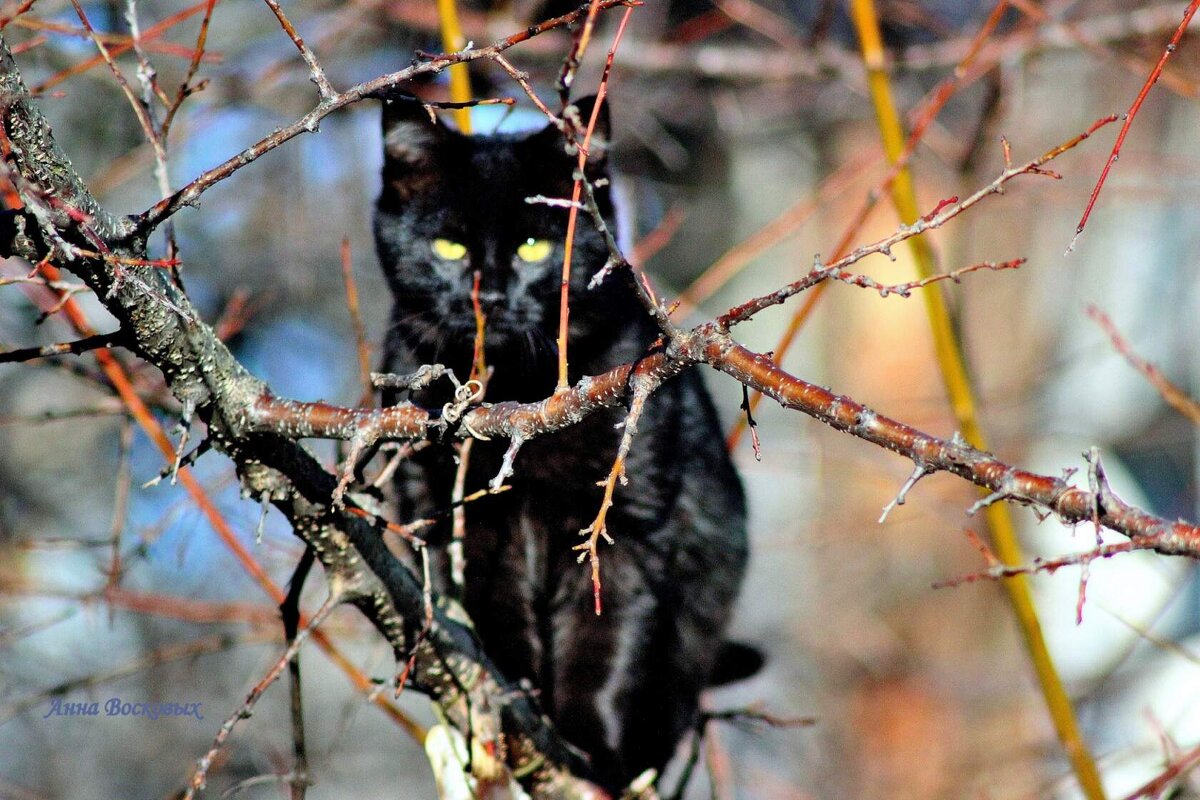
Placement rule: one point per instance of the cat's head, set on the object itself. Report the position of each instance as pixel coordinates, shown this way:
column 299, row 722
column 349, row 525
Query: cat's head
column 453, row 205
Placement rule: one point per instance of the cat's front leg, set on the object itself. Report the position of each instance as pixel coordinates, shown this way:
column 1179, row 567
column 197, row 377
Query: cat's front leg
column 610, row 693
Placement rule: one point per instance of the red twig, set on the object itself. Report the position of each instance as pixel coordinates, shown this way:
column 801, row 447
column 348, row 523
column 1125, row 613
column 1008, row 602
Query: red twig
column 21, row 9
column 1160, row 783
column 564, row 309
column 360, row 331
column 1047, row 565
column 149, row 34
column 649, row 245
column 185, row 86
column 1129, row 116
column 1174, row 396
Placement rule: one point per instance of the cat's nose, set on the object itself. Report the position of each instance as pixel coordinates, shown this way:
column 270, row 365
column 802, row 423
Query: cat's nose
column 490, row 300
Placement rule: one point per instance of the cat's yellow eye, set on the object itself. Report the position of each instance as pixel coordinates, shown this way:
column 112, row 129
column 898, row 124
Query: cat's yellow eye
column 534, row 250
column 449, row 250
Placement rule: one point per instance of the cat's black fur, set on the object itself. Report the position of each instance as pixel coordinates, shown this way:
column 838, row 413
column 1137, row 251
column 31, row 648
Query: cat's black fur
column 622, row 686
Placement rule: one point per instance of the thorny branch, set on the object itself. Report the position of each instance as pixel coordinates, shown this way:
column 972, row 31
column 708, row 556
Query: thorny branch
column 939, row 217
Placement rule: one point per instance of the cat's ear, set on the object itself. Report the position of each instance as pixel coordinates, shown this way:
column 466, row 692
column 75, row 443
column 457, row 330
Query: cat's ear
column 601, row 133
column 736, row 662
column 550, row 137
column 411, row 133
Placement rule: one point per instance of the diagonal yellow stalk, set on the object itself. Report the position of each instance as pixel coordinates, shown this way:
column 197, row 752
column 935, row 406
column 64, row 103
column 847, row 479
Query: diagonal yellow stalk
column 460, row 81
column 962, row 400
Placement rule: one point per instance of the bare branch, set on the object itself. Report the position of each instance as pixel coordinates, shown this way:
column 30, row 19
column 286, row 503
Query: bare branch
column 1174, row 396
column 200, row 777
column 1129, row 116
column 936, row 219
column 64, row 348
column 450, row 664
column 310, row 58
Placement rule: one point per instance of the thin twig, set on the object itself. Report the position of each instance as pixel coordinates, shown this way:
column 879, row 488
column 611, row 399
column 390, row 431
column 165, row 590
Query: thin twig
column 1100, row 35
column 522, row 80
column 642, row 387
column 116, row 373
column 314, row 67
column 578, row 46
column 120, row 500
column 1157, row 786
column 118, row 44
column 458, row 537
column 580, row 171
column 146, row 73
column 930, row 106
column 21, row 9
column 360, row 331
column 918, row 472
column 1041, row 565
column 84, row 345
column 200, row 777
column 748, row 309
column 186, row 88
column 1174, row 396
column 141, row 111
column 1129, row 116
column 290, row 612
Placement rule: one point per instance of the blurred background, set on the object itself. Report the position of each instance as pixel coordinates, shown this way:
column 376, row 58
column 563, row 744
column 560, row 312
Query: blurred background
column 744, row 139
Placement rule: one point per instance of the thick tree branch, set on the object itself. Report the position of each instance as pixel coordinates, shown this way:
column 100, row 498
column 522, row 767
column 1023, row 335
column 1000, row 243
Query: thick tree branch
column 1069, row 503
column 709, row 344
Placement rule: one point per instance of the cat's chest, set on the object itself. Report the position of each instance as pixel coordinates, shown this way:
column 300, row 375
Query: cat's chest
column 557, row 483
column 567, row 462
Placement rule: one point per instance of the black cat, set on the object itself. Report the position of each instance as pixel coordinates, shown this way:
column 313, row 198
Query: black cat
column 622, row 686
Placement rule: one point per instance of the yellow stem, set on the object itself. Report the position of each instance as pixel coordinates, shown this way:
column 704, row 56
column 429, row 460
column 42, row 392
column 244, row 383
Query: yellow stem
column 460, row 81
column 962, row 400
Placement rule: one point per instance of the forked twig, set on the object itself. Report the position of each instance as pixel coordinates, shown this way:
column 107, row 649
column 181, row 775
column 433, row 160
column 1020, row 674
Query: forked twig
column 200, row 776
column 938, row 218
column 642, row 387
